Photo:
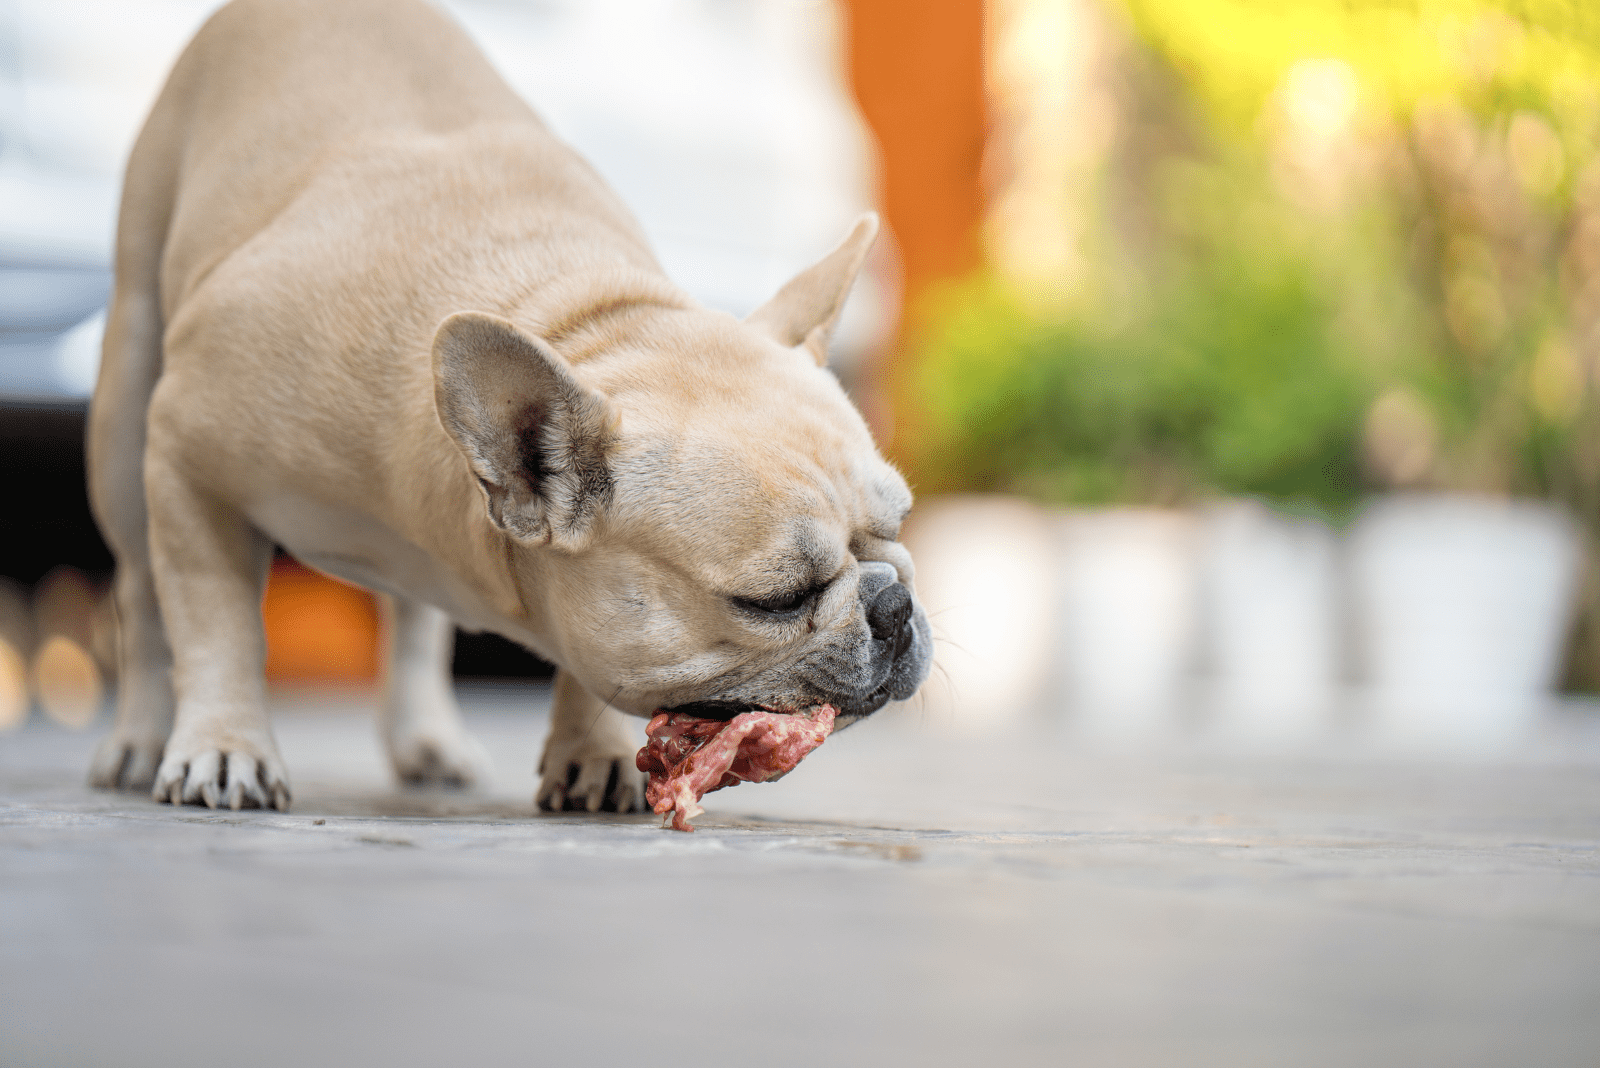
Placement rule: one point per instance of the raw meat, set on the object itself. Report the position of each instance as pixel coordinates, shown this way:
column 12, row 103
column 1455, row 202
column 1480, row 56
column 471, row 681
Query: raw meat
column 687, row 757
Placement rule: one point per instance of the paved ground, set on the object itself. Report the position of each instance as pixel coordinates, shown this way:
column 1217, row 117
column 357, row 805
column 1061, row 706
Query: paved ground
column 909, row 896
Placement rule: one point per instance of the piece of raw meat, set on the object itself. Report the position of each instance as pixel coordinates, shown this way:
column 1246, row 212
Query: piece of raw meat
column 687, row 757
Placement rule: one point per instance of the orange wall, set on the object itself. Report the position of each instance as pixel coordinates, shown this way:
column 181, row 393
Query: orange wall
column 917, row 71
column 318, row 630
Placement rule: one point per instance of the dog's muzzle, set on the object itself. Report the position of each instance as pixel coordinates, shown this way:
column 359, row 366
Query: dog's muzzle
column 900, row 644
column 889, row 620
column 857, row 679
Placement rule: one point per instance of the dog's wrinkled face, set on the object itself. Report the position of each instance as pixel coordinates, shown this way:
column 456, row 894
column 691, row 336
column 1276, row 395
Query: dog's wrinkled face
column 748, row 555
column 699, row 507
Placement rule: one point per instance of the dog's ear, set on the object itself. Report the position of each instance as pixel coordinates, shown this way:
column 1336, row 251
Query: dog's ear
column 535, row 437
column 806, row 309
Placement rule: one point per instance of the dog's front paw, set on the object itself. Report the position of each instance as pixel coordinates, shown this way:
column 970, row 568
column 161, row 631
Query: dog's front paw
column 237, row 770
column 126, row 761
column 589, row 775
column 438, row 758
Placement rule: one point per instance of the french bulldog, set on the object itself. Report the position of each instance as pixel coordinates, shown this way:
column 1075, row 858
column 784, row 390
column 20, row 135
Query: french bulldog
column 368, row 308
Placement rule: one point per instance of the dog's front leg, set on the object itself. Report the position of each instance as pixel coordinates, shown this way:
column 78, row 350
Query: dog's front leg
column 211, row 566
column 588, row 762
column 419, row 718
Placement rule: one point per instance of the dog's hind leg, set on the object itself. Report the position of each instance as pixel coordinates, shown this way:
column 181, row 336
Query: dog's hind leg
column 419, row 720
column 128, row 756
column 588, row 761
column 129, row 369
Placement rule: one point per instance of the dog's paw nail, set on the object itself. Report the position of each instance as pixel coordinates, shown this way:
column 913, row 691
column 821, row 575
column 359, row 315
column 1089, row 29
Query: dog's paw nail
column 222, row 779
column 450, row 759
column 139, row 773
column 588, row 776
column 125, row 764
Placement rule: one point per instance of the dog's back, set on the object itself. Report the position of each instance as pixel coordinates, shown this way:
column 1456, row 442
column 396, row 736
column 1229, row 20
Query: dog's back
column 272, row 93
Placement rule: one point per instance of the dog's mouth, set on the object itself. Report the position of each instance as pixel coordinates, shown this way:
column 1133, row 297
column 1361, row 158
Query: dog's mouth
column 723, row 710
column 849, row 711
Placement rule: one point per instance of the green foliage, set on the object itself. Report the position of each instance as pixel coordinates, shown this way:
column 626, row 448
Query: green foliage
column 1335, row 246
column 1234, row 383
column 1269, row 265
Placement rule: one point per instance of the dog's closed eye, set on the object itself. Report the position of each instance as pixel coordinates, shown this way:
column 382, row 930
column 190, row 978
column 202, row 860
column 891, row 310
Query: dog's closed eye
column 783, row 604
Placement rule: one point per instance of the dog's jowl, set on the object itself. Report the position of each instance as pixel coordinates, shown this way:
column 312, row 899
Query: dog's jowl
column 368, row 308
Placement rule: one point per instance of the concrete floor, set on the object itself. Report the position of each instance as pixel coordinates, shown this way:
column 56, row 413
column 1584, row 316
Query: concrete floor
column 909, row 896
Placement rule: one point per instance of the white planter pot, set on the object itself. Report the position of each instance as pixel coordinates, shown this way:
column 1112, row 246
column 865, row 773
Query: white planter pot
column 1462, row 606
column 986, row 576
column 1269, row 622
column 1126, row 618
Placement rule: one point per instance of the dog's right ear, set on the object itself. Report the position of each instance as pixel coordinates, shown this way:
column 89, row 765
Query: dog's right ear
column 804, row 311
column 535, row 437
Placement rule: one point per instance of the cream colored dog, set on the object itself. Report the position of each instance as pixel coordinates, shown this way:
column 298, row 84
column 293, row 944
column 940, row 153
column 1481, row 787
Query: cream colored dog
column 367, row 307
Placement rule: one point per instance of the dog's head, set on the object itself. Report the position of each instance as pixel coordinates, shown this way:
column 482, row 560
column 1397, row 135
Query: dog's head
column 700, row 510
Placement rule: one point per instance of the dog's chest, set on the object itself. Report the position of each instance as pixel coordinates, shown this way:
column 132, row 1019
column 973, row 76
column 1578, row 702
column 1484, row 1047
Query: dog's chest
column 353, row 546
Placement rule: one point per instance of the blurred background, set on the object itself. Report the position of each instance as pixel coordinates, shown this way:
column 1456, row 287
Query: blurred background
column 1245, row 357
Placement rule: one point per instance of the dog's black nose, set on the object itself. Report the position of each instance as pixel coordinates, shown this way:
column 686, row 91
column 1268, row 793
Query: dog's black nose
column 888, row 617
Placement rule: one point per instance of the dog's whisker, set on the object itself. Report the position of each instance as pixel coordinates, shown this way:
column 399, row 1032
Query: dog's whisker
column 595, row 722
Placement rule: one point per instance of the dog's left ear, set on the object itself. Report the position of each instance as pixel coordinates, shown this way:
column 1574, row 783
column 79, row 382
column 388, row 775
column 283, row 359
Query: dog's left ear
column 805, row 310
column 535, row 437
